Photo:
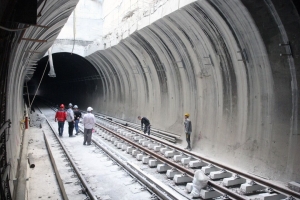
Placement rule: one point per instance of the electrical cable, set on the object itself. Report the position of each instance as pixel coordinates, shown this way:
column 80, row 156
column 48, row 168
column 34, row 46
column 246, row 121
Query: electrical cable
column 39, row 84
column 17, row 29
column 74, row 29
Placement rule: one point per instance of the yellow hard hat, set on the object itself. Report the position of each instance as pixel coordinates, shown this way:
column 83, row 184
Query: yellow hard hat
column 187, row 114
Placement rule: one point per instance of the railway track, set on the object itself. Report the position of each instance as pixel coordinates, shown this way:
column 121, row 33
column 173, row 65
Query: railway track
column 180, row 165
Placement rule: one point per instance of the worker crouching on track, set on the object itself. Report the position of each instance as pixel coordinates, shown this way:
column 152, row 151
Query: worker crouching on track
column 88, row 123
column 188, row 130
column 146, row 123
column 77, row 116
column 61, row 117
column 70, row 119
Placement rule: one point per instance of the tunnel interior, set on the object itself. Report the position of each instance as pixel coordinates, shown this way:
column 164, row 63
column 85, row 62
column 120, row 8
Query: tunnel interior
column 75, row 79
column 220, row 61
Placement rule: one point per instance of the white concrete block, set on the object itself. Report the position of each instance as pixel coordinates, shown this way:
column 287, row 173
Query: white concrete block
column 185, row 161
column 135, row 152
column 197, row 163
column 153, row 163
column 145, row 143
column 205, row 194
column 250, row 188
column 162, row 168
column 136, row 138
column 128, row 135
column 169, row 154
column 124, row 147
column 140, row 156
column 142, row 140
column 171, row 173
column 178, row 158
column 189, row 187
column 181, row 179
column 151, row 145
column 145, row 159
column 233, row 181
column 116, row 142
column 209, row 168
column 272, row 196
column 129, row 149
column 163, row 150
column 113, row 139
column 119, row 145
column 156, row 148
column 219, row 174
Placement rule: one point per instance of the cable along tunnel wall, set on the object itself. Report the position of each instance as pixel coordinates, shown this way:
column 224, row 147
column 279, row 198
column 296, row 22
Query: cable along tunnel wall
column 213, row 60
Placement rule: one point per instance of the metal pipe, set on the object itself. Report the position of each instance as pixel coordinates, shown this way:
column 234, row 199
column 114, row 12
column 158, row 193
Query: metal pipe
column 51, row 72
column 31, row 161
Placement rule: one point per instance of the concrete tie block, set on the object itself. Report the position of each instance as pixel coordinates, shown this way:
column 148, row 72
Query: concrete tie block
column 112, row 139
column 142, row 140
column 140, row 156
column 185, row 161
column 220, row 174
column 294, row 186
column 129, row 149
column 272, row 196
column 119, row 145
column 109, row 138
column 145, row 159
column 234, row 180
column 124, row 147
column 189, row 187
column 178, row 158
column 128, row 134
column 116, row 142
column 163, row 150
column 182, row 178
column 136, row 138
column 153, row 163
column 169, row 154
column 151, row 145
column 162, row 168
column 156, row 148
column 209, row 168
column 209, row 194
column 197, row 163
column 145, row 143
column 250, row 187
column 135, row 152
column 171, row 173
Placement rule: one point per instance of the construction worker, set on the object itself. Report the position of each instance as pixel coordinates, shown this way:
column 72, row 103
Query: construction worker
column 188, row 130
column 146, row 123
column 70, row 119
column 61, row 117
column 77, row 116
column 88, row 124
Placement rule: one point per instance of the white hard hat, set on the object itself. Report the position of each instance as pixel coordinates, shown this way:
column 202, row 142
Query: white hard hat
column 89, row 109
column 70, row 105
column 75, row 106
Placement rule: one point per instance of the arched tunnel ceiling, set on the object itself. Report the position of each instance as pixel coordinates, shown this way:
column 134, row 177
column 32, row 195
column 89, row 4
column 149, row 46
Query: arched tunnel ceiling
column 218, row 60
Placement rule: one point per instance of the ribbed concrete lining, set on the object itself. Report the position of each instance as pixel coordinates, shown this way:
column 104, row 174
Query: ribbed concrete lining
column 54, row 15
column 208, row 59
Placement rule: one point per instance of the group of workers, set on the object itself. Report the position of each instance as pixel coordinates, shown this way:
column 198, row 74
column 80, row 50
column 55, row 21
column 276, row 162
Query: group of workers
column 145, row 126
column 72, row 116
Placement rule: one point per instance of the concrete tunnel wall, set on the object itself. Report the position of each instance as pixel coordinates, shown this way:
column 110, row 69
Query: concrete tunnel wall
column 219, row 61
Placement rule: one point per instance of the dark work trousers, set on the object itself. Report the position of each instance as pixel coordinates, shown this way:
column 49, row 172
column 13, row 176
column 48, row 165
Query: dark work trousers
column 87, row 136
column 147, row 129
column 76, row 125
column 71, row 127
column 188, row 139
column 61, row 128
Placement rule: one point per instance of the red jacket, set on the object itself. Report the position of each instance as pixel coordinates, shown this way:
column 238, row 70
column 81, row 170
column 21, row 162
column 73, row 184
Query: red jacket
column 61, row 115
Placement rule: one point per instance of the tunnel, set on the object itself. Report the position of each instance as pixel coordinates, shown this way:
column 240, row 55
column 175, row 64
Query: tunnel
column 232, row 65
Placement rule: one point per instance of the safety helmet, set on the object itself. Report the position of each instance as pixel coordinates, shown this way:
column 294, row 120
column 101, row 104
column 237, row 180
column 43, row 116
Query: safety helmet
column 89, row 109
column 70, row 105
column 62, row 106
column 75, row 106
column 187, row 114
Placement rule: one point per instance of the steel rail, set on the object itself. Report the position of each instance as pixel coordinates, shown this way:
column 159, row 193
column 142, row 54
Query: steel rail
column 86, row 188
column 177, row 166
column 259, row 180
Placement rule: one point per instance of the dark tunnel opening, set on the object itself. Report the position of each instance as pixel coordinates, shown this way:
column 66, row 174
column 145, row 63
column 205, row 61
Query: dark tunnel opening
column 76, row 78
